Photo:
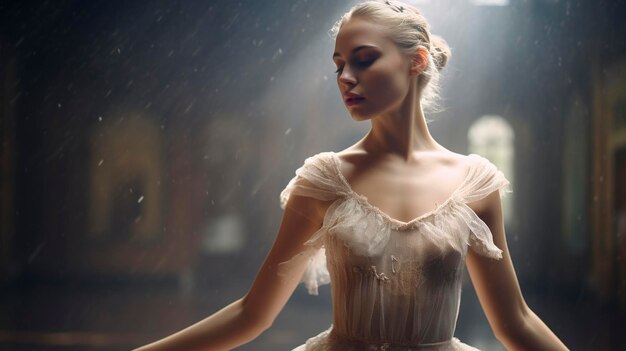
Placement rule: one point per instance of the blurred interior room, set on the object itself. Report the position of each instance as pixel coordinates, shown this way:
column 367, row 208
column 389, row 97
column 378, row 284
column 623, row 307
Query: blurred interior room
column 144, row 146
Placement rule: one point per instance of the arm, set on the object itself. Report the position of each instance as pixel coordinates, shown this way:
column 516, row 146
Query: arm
column 514, row 324
column 245, row 319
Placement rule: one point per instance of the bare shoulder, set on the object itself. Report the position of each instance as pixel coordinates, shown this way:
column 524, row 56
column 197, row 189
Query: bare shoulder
column 449, row 158
column 351, row 158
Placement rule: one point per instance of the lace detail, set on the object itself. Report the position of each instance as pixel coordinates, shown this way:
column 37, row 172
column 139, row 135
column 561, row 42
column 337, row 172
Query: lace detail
column 410, row 278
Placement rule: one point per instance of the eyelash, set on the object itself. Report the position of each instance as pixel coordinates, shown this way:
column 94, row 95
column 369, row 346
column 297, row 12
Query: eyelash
column 361, row 64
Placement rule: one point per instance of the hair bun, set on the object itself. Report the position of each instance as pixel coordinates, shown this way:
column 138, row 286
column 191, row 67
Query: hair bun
column 440, row 51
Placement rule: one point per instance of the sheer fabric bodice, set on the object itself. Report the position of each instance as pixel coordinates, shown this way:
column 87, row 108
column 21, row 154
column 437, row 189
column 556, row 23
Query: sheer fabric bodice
column 395, row 285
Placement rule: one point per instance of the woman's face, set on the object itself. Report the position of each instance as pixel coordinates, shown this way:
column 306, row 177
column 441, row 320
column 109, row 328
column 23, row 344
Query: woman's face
column 369, row 64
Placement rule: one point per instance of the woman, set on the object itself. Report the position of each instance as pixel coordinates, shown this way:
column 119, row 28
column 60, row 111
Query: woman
column 389, row 220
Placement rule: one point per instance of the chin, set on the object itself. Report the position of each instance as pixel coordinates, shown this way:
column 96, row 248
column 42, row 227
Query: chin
column 357, row 116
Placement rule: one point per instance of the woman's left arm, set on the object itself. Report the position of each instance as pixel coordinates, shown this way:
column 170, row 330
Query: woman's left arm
column 514, row 324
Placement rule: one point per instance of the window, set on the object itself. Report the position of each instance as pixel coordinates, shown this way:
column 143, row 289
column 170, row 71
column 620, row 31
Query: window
column 492, row 137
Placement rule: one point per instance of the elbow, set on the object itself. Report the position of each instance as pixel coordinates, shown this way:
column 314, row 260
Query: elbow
column 260, row 323
column 527, row 332
column 257, row 321
column 508, row 336
column 264, row 323
column 514, row 327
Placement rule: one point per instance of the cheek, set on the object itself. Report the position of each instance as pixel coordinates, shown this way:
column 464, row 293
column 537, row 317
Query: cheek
column 387, row 85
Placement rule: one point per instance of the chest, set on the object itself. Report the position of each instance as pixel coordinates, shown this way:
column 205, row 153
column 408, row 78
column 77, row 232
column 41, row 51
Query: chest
column 405, row 194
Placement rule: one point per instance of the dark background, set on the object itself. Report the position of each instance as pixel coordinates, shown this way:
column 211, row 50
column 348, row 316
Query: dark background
column 144, row 145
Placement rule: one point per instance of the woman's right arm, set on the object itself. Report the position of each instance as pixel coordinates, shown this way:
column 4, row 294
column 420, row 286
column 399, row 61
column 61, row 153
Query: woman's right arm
column 246, row 318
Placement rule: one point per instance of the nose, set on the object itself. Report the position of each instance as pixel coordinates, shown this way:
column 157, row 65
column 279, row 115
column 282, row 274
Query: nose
column 346, row 77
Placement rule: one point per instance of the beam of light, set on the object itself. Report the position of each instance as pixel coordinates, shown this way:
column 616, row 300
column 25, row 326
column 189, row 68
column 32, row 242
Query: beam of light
column 490, row 2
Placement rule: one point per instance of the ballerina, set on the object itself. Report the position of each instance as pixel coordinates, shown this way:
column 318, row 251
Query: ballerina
column 391, row 221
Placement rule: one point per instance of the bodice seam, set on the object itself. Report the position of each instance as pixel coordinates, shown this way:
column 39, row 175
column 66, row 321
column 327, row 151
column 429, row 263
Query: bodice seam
column 336, row 334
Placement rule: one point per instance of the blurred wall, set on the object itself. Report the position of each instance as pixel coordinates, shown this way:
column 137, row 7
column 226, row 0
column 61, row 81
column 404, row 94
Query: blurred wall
column 134, row 133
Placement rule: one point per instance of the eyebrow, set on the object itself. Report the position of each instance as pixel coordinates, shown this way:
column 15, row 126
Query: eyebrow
column 356, row 49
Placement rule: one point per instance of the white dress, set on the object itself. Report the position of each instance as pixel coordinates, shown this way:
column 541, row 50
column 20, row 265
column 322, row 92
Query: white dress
column 395, row 285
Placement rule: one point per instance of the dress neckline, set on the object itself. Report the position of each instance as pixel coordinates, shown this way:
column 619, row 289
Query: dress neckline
column 396, row 223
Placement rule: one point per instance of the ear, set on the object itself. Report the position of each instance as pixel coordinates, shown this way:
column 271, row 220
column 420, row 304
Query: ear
column 419, row 61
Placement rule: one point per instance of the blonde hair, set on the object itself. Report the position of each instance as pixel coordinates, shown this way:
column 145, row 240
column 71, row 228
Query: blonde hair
column 409, row 30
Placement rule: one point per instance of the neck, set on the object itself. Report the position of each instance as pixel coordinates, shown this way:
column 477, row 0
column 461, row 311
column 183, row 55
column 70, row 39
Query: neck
column 402, row 132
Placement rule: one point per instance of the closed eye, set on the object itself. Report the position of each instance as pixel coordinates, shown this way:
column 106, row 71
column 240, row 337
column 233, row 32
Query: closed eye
column 359, row 64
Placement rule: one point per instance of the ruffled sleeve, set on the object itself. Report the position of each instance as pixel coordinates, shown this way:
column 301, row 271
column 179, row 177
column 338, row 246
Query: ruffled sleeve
column 316, row 178
column 483, row 179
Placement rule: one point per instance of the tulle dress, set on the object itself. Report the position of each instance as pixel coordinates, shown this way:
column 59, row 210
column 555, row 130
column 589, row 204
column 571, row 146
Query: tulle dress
column 395, row 285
